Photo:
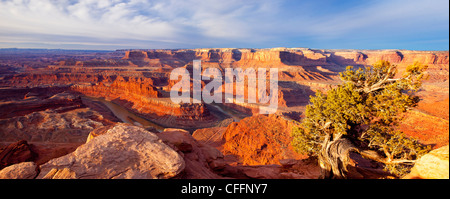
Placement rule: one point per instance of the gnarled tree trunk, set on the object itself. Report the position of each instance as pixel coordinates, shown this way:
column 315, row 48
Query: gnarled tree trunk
column 334, row 158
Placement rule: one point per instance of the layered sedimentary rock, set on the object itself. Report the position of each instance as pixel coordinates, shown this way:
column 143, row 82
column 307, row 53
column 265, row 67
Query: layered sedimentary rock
column 178, row 58
column 52, row 119
column 51, row 79
column 139, row 95
column 98, row 63
column 34, row 102
column 315, row 69
column 47, row 118
column 68, row 127
column 289, row 56
column 46, row 112
column 15, row 153
column 121, row 87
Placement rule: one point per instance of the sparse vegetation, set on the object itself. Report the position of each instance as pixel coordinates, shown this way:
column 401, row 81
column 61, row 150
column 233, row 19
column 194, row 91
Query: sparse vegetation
column 361, row 115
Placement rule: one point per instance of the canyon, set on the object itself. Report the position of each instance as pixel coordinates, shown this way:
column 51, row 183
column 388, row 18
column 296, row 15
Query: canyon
column 55, row 106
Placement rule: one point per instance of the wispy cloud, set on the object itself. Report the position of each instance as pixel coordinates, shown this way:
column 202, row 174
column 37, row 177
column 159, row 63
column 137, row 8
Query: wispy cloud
column 388, row 17
column 216, row 23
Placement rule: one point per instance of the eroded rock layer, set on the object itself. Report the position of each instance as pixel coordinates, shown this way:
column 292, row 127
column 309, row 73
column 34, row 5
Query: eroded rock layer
column 43, row 104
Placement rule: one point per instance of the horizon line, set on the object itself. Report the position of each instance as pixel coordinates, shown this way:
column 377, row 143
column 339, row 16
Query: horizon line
column 143, row 49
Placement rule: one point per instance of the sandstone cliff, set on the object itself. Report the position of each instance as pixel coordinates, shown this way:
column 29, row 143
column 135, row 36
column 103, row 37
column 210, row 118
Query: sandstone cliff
column 121, row 86
column 50, row 79
column 140, row 96
column 289, row 56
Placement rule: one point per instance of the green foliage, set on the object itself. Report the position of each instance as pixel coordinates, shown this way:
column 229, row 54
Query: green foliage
column 395, row 146
column 365, row 109
column 339, row 108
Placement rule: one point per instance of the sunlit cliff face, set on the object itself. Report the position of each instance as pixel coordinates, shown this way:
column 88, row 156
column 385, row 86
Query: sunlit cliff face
column 55, row 99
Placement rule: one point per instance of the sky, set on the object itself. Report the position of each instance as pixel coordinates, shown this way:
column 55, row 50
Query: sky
column 164, row 24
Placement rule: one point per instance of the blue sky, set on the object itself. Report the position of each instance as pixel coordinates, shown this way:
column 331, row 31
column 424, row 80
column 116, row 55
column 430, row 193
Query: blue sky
column 319, row 24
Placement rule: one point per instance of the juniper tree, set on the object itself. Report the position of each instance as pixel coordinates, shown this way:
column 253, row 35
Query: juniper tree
column 362, row 115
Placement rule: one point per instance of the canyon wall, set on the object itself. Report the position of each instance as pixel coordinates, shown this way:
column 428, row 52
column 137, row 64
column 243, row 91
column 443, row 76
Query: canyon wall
column 139, row 79
column 290, row 56
column 140, row 96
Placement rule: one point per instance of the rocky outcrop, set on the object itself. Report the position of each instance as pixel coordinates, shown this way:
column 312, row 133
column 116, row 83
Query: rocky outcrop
column 98, row 131
column 178, row 58
column 15, row 153
column 99, row 63
column 279, row 57
column 128, row 86
column 368, row 57
column 34, row 79
column 293, row 94
column 53, row 119
column 123, row 151
column 233, row 166
column 32, row 102
column 287, row 56
column 434, row 165
column 24, row 170
column 135, row 55
column 58, row 122
column 260, row 140
column 206, row 162
column 140, row 96
column 12, row 94
column 201, row 159
column 211, row 136
column 50, row 126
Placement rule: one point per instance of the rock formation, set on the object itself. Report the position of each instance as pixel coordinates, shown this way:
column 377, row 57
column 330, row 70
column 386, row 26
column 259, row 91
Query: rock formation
column 15, row 153
column 24, row 170
column 142, row 98
column 210, row 136
column 434, row 165
column 203, row 161
column 32, row 102
column 42, row 102
column 260, row 140
column 51, row 79
column 200, row 159
column 287, row 56
column 124, row 151
column 59, row 118
column 120, row 86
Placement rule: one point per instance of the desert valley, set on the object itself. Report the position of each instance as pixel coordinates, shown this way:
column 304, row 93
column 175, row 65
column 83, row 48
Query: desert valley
column 108, row 114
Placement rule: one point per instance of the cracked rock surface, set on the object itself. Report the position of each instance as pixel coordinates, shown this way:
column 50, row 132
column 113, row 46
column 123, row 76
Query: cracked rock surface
column 123, row 152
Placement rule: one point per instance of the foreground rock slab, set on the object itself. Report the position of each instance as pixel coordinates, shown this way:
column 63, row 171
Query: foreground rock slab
column 122, row 152
column 24, row 170
column 434, row 165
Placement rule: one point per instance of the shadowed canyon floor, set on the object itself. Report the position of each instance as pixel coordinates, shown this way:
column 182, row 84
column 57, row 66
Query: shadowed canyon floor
column 52, row 102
